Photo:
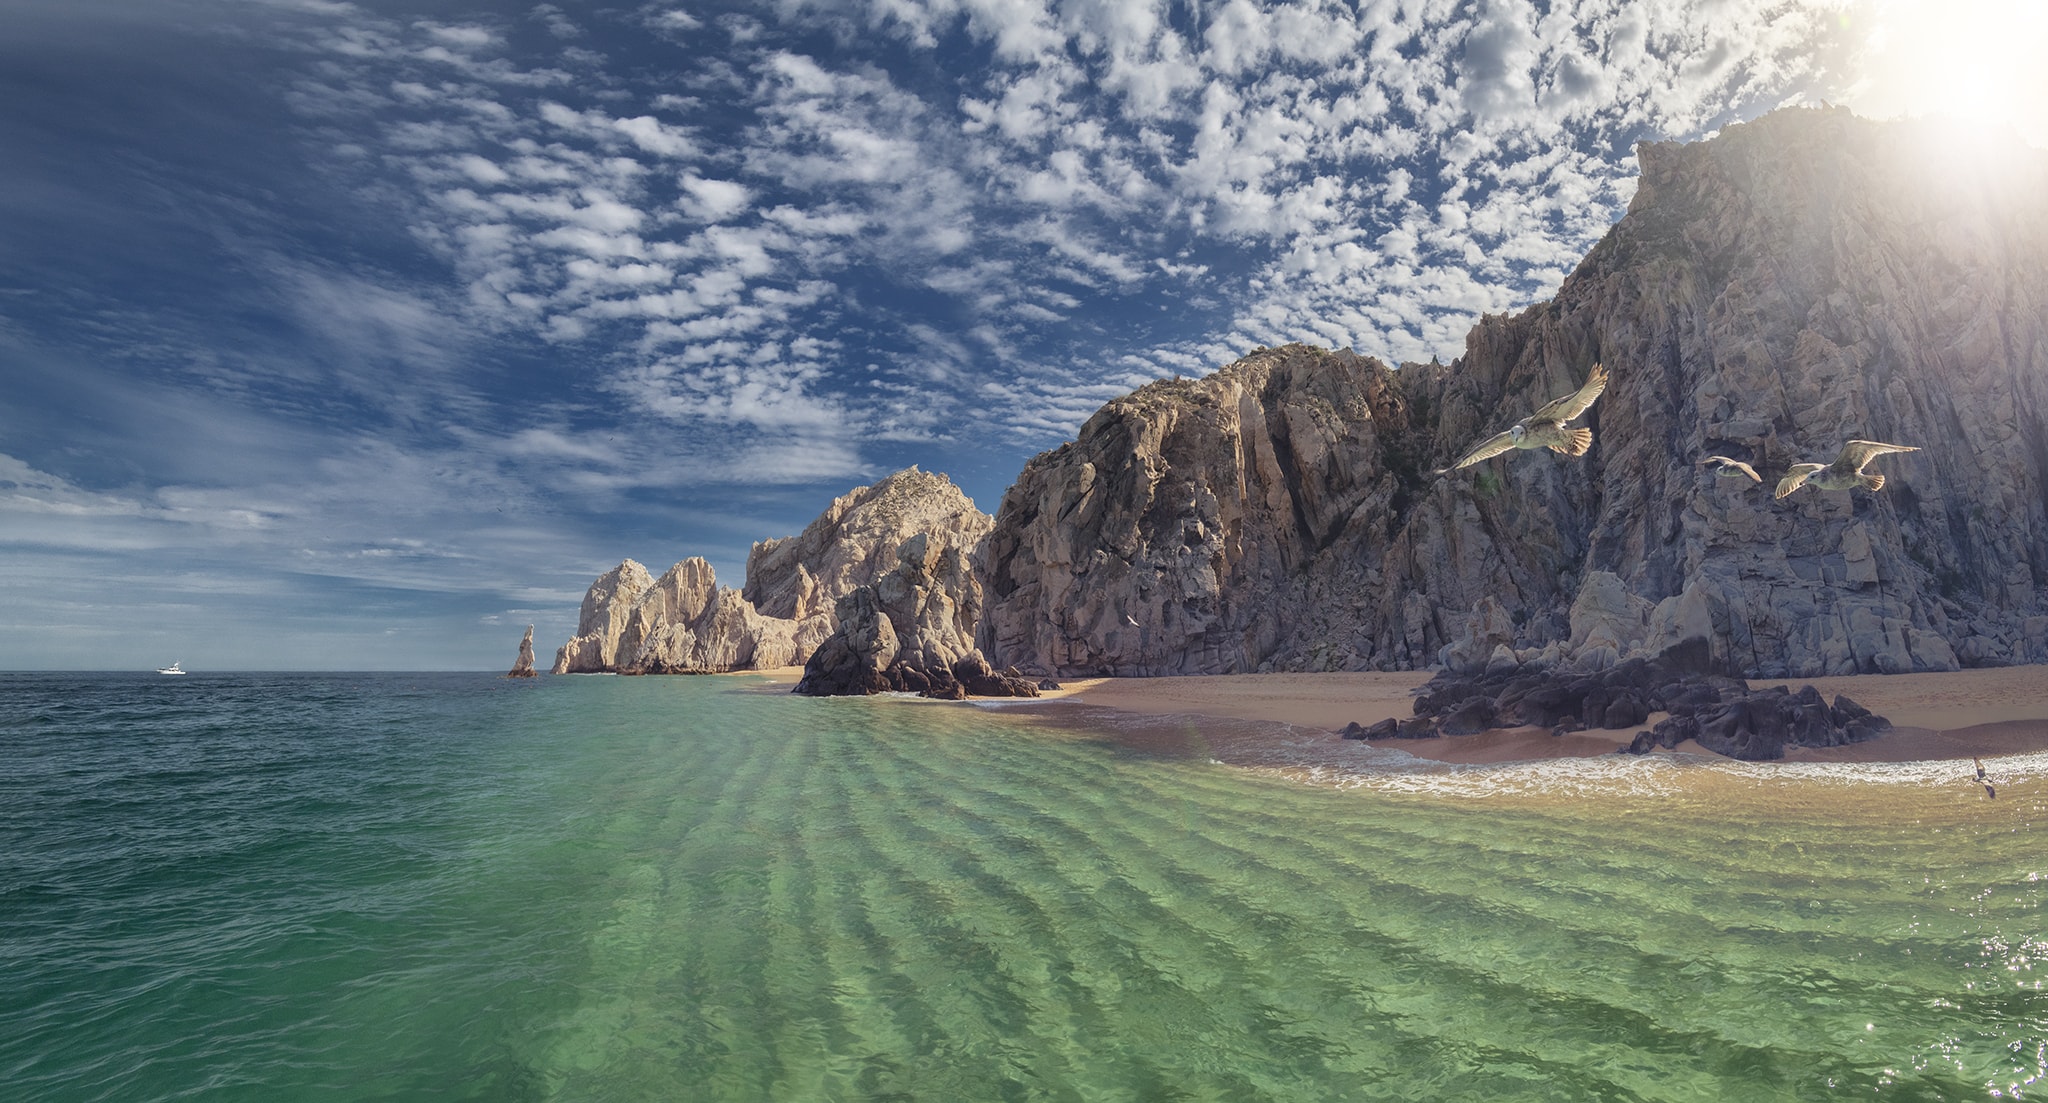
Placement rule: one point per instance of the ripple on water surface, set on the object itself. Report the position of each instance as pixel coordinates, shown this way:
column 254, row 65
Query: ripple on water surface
column 678, row 889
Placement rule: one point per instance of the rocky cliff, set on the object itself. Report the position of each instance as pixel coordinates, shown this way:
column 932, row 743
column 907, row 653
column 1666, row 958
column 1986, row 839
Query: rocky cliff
column 1208, row 526
column 602, row 620
column 1793, row 283
column 853, row 542
column 686, row 623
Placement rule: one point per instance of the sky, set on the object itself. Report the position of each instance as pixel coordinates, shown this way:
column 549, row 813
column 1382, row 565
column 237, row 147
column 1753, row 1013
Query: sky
column 361, row 335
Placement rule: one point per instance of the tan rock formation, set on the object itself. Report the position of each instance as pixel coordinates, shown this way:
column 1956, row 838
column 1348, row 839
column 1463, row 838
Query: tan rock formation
column 523, row 668
column 607, row 606
column 1205, row 526
column 685, row 623
column 912, row 631
column 853, row 542
column 1796, row 282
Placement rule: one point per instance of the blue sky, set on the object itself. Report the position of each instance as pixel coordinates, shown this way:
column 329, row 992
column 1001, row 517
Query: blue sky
column 361, row 335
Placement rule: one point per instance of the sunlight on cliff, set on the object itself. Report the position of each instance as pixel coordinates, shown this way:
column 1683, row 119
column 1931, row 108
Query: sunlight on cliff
column 1975, row 64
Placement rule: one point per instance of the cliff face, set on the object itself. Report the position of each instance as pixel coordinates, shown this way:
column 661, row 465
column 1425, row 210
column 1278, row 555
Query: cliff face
column 1796, row 282
column 686, row 623
column 1204, row 526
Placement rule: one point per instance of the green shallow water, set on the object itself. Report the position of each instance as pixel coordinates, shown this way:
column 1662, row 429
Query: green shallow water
column 681, row 889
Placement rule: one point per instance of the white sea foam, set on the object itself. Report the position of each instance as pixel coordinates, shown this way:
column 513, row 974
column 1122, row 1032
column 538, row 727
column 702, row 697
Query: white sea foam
column 1654, row 775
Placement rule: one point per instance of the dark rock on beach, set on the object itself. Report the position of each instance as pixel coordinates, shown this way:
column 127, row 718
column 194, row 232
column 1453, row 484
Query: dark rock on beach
column 1759, row 726
column 1721, row 714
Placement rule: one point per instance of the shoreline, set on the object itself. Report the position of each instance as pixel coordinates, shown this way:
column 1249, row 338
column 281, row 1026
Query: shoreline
column 1988, row 713
column 1936, row 717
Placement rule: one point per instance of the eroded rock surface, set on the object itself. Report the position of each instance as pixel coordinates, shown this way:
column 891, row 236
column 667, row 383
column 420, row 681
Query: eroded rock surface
column 912, row 631
column 607, row 606
column 853, row 542
column 686, row 623
column 1224, row 524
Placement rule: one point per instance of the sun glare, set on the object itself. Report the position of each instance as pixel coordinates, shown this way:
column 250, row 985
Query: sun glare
column 1977, row 63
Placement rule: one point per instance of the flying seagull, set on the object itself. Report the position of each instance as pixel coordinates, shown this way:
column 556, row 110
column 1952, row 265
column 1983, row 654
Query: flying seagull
column 1845, row 472
column 1726, row 468
column 1984, row 781
column 1545, row 428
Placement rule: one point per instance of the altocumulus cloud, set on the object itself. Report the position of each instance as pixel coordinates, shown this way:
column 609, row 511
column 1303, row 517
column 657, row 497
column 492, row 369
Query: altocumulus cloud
column 750, row 220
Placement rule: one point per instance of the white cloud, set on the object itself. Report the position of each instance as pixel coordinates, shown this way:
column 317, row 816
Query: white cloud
column 461, row 38
column 1376, row 175
column 713, row 200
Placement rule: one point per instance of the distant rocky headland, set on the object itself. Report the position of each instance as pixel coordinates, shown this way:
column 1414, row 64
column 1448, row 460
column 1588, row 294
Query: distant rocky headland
column 1794, row 283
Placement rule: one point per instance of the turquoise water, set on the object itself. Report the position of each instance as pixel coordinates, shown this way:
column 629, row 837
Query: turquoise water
column 458, row 886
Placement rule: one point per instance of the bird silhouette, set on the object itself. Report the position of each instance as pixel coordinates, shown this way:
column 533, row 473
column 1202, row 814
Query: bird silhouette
column 1543, row 429
column 1726, row 468
column 1984, row 781
column 1845, row 472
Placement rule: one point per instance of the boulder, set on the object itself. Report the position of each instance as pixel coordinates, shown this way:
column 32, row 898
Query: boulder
column 1384, row 729
column 1723, row 714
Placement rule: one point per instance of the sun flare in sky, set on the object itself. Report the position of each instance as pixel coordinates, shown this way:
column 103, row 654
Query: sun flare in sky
column 1981, row 63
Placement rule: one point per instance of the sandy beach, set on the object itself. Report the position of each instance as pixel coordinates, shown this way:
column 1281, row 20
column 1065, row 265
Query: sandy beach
column 1958, row 715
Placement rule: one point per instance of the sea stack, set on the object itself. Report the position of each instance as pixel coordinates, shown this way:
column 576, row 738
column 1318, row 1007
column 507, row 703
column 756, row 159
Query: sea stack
column 524, row 667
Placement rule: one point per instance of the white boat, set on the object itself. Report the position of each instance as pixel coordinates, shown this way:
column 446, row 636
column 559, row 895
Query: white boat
column 174, row 668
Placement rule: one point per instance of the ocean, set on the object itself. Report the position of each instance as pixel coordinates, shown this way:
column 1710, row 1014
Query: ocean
column 457, row 886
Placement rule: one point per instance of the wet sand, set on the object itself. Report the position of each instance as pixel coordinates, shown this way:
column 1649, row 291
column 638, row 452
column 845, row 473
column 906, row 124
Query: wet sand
column 1959, row 715
column 777, row 674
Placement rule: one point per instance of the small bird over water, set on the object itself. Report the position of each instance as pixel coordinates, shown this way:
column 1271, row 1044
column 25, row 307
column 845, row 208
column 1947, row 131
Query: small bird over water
column 1845, row 472
column 1726, row 468
column 1984, row 781
column 1545, row 428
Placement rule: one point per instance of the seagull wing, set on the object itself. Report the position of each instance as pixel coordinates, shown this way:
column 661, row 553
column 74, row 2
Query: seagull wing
column 1796, row 476
column 1856, row 453
column 1486, row 450
column 1733, row 464
column 1572, row 405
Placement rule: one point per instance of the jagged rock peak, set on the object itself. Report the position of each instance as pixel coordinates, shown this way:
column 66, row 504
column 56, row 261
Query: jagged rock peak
column 607, row 605
column 686, row 623
column 523, row 668
column 854, row 541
